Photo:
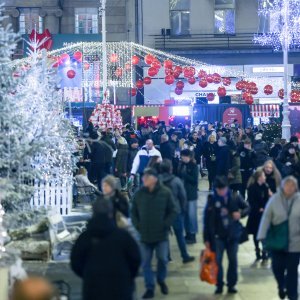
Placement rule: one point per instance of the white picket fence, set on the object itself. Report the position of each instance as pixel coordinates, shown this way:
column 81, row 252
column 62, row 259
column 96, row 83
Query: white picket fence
column 50, row 195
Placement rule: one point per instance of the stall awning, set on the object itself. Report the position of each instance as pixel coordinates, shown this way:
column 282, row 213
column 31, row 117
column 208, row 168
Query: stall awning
column 265, row 110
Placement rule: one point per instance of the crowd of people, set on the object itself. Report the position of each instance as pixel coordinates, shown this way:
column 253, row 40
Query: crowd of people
column 147, row 182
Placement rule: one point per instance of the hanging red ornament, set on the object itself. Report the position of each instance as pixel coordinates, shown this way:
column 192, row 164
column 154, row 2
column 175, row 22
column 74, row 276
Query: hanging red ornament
column 281, row 93
column 176, row 75
column 147, row 80
column 178, row 91
column 210, row 96
column 168, row 64
column 169, row 79
column 86, row 66
column 64, row 57
column 178, row 69
column 119, row 72
column 202, row 74
column 187, row 72
column 203, row 83
column 217, row 78
column 268, row 89
column 135, row 60
column 253, row 90
column 295, row 96
column 249, row 99
column 180, row 84
column 114, row 57
column 152, row 71
column 209, row 78
column 78, row 56
column 241, row 85
column 169, row 71
column 156, row 64
column 192, row 71
column 139, row 84
column 71, row 74
column 221, row 91
column 192, row 80
column 227, row 81
column 148, row 59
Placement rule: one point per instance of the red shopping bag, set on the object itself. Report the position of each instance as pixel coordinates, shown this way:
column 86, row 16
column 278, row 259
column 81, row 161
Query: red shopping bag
column 208, row 267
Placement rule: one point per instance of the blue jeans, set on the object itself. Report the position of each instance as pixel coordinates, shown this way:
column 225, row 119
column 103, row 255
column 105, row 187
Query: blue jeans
column 231, row 248
column 191, row 218
column 178, row 227
column 285, row 269
column 162, row 250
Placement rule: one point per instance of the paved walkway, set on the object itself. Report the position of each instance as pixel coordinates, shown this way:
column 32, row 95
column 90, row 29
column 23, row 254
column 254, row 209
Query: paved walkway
column 183, row 280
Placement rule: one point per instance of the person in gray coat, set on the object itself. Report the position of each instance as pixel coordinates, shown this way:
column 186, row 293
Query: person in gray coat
column 283, row 206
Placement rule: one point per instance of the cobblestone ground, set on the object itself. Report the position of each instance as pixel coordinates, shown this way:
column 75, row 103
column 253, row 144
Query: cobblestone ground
column 183, row 280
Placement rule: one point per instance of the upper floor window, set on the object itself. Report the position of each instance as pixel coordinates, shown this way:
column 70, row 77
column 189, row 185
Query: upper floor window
column 270, row 22
column 30, row 19
column 180, row 17
column 86, row 20
column 224, row 16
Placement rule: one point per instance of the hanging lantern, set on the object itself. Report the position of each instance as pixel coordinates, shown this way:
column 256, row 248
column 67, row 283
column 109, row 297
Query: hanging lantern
column 178, row 91
column 86, row 66
column 139, row 84
column 268, row 89
column 217, row 78
column 135, row 60
column 221, row 91
column 192, row 80
column 168, row 64
column 210, row 97
column 203, row 83
column 202, row 74
column 71, row 74
column 180, row 84
column 226, row 81
column 209, row 78
column 169, row 79
column 148, row 59
column 281, row 93
column 128, row 67
column 77, row 56
column 147, row 80
column 169, row 71
column 152, row 71
column 178, row 69
column 114, row 57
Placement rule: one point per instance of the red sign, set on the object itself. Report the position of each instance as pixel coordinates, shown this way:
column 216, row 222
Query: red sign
column 45, row 39
column 231, row 114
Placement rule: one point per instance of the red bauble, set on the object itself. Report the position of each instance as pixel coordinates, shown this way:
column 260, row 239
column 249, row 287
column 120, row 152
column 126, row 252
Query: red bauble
column 295, row 96
column 147, row 80
column 180, row 84
column 268, row 89
column 78, row 56
column 156, row 64
column 249, row 100
column 176, row 75
column 178, row 91
column 119, row 72
column 148, row 59
column 133, row 92
column 187, row 72
column 281, row 93
column 168, row 64
column 226, row 81
column 192, row 80
column 152, row 71
column 241, row 85
column 202, row 74
column 178, row 69
column 221, row 91
column 192, row 71
column 209, row 78
column 139, row 84
column 217, row 78
column 210, row 96
column 169, row 79
column 64, row 57
column 253, row 90
column 71, row 74
column 250, row 85
column 203, row 83
column 86, row 66
column 135, row 60
column 169, row 71
column 114, row 58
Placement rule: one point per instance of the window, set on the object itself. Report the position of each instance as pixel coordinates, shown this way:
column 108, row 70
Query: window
column 180, row 17
column 225, row 16
column 29, row 19
column 86, row 20
column 271, row 22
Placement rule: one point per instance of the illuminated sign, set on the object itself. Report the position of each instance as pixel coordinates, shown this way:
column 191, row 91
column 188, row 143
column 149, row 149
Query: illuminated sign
column 268, row 70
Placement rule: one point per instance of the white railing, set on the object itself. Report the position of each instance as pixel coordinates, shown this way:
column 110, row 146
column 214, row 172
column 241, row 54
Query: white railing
column 51, row 195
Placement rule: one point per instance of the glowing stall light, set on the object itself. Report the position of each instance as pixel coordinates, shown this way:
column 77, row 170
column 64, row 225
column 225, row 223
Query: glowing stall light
column 181, row 111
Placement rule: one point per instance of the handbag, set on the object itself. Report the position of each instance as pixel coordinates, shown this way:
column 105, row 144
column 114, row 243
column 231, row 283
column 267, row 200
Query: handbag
column 208, row 267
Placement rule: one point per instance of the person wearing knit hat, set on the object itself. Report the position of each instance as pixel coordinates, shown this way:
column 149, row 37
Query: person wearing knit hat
column 121, row 160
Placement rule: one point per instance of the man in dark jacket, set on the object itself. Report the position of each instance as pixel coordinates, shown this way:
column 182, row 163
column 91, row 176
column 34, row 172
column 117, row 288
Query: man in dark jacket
column 223, row 158
column 223, row 230
column 261, row 149
column 153, row 213
column 179, row 195
column 106, row 258
column 188, row 172
column 165, row 148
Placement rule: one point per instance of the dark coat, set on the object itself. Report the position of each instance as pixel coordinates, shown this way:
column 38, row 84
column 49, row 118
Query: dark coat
column 177, row 188
column 107, row 259
column 190, row 175
column 197, row 149
column 210, row 153
column 271, row 182
column 262, row 152
column 248, row 159
column 223, row 161
column 153, row 213
column 166, row 150
column 101, row 152
column 258, row 196
column 214, row 220
column 234, row 171
column 121, row 159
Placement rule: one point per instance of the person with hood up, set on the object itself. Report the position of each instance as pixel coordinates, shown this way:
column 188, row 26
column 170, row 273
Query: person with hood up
column 121, row 160
column 223, row 158
column 106, row 258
